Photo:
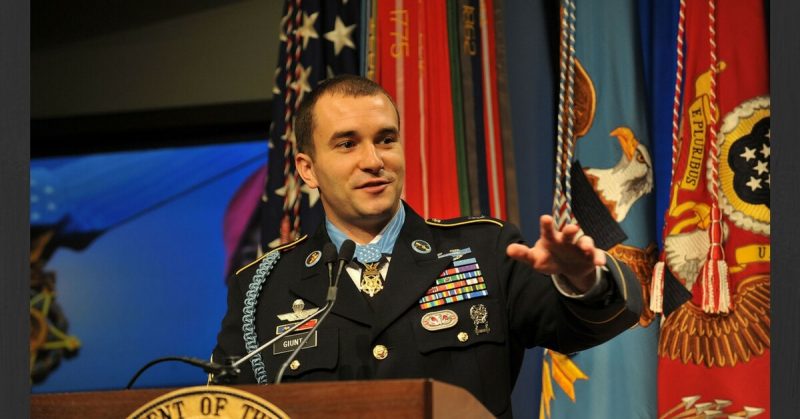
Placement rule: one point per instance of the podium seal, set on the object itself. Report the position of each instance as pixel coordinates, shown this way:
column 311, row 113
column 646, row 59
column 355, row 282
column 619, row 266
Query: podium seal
column 207, row 402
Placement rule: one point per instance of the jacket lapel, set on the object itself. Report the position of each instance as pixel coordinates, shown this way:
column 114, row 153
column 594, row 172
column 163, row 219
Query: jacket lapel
column 313, row 281
column 410, row 273
column 313, row 284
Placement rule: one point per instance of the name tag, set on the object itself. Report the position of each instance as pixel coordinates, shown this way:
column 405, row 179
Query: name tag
column 290, row 343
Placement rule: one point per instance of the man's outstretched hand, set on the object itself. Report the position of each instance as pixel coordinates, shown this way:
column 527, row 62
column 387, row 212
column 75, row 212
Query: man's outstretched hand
column 563, row 253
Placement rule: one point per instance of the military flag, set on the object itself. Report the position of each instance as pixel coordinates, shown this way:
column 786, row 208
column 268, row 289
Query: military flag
column 438, row 60
column 604, row 175
column 714, row 351
column 413, row 66
column 318, row 39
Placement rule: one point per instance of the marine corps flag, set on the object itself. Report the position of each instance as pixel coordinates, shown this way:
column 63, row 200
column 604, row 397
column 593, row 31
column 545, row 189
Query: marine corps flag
column 714, row 350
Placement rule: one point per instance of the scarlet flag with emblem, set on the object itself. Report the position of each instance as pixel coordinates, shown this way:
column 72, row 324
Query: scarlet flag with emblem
column 717, row 226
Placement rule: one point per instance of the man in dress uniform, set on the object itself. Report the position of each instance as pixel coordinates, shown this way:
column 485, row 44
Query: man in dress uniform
column 457, row 300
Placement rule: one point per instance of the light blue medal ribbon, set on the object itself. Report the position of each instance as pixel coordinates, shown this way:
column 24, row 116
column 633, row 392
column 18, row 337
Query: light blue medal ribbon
column 372, row 252
column 368, row 253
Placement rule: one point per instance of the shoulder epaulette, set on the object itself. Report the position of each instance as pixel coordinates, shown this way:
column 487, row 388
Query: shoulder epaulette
column 286, row 246
column 455, row 222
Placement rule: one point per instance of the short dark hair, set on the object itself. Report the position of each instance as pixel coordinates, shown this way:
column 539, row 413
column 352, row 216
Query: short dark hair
column 346, row 85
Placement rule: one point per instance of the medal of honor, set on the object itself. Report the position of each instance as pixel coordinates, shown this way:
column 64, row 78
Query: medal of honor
column 371, row 281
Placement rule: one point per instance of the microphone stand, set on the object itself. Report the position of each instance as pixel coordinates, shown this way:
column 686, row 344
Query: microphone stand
column 258, row 350
column 222, row 372
column 345, row 256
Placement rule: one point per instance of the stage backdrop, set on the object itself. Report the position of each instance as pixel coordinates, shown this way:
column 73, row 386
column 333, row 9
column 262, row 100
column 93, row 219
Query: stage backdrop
column 129, row 261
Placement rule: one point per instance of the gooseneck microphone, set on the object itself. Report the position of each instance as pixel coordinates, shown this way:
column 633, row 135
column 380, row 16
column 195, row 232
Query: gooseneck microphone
column 329, row 258
column 346, row 252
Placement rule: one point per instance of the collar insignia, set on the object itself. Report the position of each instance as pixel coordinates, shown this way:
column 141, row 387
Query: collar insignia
column 421, row 246
column 313, row 258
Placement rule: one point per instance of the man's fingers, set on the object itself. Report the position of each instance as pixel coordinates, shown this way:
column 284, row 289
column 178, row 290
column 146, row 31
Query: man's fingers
column 586, row 243
column 570, row 232
column 518, row 251
column 536, row 257
column 599, row 257
column 547, row 228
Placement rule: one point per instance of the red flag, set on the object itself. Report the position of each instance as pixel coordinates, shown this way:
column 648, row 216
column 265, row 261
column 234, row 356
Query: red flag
column 494, row 150
column 714, row 350
column 413, row 66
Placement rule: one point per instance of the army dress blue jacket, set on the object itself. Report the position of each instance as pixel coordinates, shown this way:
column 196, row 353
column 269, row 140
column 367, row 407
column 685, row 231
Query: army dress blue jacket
column 412, row 329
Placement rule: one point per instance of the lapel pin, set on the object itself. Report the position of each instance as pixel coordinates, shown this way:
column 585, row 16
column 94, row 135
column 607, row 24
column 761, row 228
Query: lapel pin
column 313, row 258
column 421, row 246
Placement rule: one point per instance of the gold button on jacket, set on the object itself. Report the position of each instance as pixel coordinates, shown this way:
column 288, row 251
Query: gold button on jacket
column 380, row 352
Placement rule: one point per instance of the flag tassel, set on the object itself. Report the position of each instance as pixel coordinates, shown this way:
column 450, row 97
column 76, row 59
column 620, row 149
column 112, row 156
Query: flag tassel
column 716, row 292
column 657, row 288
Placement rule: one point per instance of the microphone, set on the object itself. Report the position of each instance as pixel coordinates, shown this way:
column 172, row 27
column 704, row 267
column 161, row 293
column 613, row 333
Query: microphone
column 329, row 257
column 346, row 252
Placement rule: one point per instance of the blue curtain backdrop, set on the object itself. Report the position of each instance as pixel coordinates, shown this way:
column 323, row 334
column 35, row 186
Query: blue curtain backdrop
column 532, row 71
column 151, row 284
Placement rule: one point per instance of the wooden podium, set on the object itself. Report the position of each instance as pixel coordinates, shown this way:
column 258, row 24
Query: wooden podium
column 416, row 398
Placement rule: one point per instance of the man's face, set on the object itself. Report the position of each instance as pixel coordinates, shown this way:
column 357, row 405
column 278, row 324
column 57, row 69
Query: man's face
column 358, row 162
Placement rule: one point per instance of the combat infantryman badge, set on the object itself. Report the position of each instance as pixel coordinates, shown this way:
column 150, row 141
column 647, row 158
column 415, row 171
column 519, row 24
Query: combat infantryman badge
column 456, row 254
column 480, row 317
column 299, row 312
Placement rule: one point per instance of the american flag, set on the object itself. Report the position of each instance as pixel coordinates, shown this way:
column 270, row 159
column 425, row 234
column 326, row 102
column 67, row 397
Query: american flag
column 318, row 39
